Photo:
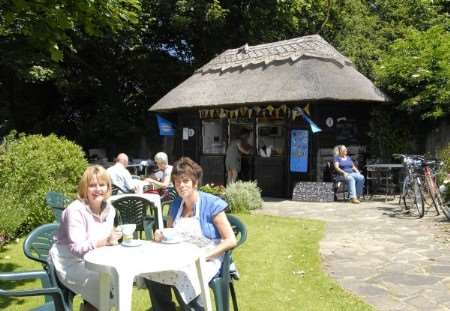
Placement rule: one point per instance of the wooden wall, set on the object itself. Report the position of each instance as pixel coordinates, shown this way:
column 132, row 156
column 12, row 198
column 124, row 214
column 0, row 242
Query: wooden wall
column 349, row 127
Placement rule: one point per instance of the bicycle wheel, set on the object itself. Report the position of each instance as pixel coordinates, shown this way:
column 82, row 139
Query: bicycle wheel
column 418, row 197
column 409, row 199
column 404, row 194
column 429, row 194
column 445, row 208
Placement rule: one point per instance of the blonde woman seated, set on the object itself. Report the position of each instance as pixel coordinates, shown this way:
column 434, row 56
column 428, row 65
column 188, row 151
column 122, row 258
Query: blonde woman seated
column 198, row 217
column 87, row 223
column 344, row 166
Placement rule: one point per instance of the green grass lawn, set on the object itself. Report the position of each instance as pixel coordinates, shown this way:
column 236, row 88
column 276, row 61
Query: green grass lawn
column 279, row 265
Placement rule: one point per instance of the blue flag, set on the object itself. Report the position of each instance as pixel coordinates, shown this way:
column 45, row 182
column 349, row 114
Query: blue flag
column 166, row 128
column 312, row 125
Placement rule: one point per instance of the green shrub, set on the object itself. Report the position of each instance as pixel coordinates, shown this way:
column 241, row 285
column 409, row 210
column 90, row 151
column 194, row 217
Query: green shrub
column 30, row 166
column 444, row 156
column 243, row 196
column 447, row 194
column 213, row 189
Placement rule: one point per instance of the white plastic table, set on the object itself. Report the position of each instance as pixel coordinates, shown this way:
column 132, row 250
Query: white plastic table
column 120, row 265
column 152, row 197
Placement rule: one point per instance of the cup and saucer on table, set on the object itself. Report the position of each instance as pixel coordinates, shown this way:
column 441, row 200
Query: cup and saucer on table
column 170, row 236
column 127, row 235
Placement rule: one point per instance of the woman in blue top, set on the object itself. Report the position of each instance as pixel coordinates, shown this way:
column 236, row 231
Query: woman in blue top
column 201, row 218
column 344, row 165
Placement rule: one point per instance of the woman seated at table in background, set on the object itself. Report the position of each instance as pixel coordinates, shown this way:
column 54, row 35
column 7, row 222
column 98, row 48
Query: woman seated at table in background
column 344, row 166
column 196, row 216
column 87, row 223
column 162, row 180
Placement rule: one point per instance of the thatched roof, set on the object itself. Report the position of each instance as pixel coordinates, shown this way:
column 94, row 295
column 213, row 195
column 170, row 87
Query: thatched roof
column 300, row 69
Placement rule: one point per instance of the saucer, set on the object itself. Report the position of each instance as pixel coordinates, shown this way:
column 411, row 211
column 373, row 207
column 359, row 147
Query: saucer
column 131, row 243
column 171, row 241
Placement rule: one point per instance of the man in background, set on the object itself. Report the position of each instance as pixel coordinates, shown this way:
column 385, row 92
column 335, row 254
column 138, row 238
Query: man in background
column 120, row 176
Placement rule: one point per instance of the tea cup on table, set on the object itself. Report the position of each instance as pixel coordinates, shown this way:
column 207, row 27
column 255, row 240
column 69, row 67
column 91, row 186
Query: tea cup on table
column 127, row 231
column 169, row 234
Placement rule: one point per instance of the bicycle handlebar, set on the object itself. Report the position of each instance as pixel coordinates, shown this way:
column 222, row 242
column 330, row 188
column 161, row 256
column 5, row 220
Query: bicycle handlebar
column 410, row 156
column 417, row 160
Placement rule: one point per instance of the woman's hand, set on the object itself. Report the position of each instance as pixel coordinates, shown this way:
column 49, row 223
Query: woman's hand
column 149, row 180
column 113, row 238
column 158, row 236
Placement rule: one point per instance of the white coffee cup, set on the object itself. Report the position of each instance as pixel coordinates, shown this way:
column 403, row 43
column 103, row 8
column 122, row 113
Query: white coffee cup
column 127, row 231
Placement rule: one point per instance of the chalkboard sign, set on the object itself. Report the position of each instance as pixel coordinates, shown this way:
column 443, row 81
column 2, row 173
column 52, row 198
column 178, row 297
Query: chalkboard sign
column 313, row 192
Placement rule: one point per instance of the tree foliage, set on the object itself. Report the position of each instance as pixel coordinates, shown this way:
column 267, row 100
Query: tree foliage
column 416, row 70
column 89, row 70
column 43, row 31
column 390, row 132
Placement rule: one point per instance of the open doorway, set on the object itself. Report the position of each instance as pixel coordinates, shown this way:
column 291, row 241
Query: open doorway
column 235, row 128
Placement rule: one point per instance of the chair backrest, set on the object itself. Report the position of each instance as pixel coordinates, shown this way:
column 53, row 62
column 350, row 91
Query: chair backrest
column 333, row 173
column 56, row 201
column 39, row 241
column 168, row 196
column 36, row 247
column 222, row 284
column 239, row 229
column 132, row 210
column 118, row 190
column 328, row 171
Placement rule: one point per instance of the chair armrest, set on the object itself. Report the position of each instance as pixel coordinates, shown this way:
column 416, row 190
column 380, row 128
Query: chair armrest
column 27, row 275
column 53, row 292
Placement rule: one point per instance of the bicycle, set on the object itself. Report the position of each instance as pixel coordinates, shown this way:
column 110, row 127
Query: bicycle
column 430, row 170
column 412, row 195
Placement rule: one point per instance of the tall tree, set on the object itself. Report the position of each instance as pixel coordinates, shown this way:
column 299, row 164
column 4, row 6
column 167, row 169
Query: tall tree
column 35, row 38
column 416, row 70
column 34, row 35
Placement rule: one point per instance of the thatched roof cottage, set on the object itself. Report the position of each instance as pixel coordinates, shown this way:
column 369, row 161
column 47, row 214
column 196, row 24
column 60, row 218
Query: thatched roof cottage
column 267, row 88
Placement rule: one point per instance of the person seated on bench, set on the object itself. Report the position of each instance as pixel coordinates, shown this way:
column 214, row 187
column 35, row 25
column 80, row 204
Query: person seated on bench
column 344, row 166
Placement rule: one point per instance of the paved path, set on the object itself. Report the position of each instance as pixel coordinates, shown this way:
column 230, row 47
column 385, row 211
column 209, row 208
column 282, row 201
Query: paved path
column 390, row 260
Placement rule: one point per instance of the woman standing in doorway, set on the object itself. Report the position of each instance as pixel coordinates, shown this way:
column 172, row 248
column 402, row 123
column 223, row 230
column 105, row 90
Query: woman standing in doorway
column 233, row 155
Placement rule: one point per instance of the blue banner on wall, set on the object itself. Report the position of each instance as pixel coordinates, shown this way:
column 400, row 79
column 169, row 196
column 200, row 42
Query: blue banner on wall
column 166, row 128
column 299, row 151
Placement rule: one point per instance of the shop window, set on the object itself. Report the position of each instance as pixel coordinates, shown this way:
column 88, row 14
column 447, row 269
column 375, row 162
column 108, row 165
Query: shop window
column 271, row 139
column 214, row 133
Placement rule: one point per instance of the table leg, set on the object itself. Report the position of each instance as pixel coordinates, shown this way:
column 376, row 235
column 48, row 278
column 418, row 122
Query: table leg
column 203, row 284
column 160, row 218
column 387, row 187
column 124, row 291
column 105, row 286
